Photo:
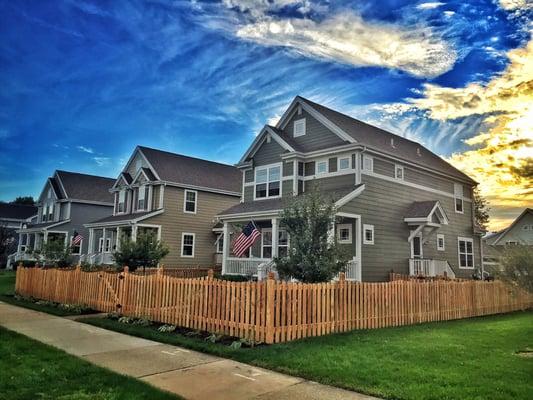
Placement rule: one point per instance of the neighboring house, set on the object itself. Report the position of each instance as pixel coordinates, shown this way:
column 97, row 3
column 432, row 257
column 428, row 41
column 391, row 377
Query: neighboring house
column 67, row 201
column 520, row 232
column 12, row 216
column 174, row 196
column 400, row 207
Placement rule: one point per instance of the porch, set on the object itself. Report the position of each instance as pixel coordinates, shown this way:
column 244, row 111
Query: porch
column 30, row 243
column 105, row 240
column 430, row 267
column 275, row 242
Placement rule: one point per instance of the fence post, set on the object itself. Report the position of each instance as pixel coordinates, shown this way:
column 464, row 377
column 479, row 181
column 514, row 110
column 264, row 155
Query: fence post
column 210, row 274
column 270, row 293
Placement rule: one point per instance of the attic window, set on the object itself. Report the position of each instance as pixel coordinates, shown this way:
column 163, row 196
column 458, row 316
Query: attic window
column 299, row 127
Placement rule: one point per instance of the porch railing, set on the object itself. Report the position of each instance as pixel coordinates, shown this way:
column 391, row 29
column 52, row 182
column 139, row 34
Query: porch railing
column 429, row 267
column 100, row 258
column 243, row 266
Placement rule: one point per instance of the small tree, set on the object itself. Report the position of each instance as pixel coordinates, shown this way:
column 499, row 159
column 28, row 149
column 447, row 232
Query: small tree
column 27, row 200
column 517, row 267
column 481, row 209
column 146, row 251
column 313, row 255
column 8, row 244
column 55, row 253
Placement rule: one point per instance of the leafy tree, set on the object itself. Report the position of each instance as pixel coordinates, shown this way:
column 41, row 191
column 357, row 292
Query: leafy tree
column 7, row 243
column 55, row 253
column 481, row 209
column 27, row 200
column 146, row 251
column 517, row 266
column 313, row 255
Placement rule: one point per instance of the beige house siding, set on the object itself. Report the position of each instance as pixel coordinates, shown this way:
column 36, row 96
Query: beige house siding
column 174, row 222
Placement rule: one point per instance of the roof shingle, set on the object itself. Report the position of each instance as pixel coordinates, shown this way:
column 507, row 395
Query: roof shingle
column 86, row 187
column 17, row 211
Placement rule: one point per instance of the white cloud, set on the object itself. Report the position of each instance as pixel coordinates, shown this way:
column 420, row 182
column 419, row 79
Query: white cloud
column 85, row 149
column 349, row 39
column 261, row 7
column 449, row 14
column 101, row 161
column 430, row 5
column 511, row 5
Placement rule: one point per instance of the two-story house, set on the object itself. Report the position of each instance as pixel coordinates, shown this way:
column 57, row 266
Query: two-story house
column 67, row 201
column 399, row 206
column 174, row 196
column 12, row 216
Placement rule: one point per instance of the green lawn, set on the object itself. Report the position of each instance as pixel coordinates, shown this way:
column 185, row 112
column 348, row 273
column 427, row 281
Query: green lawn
column 32, row 370
column 467, row 359
column 7, row 282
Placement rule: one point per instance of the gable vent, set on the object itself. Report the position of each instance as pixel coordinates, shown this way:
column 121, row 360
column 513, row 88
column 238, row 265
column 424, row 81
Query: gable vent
column 392, row 142
column 418, row 151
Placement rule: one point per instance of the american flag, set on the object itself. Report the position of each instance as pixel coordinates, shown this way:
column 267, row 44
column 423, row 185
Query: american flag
column 76, row 238
column 246, row 239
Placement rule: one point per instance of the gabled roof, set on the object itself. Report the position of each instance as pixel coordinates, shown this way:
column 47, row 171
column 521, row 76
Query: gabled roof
column 77, row 186
column 190, row 171
column 424, row 210
column 17, row 211
column 354, row 131
column 286, row 142
column 504, row 232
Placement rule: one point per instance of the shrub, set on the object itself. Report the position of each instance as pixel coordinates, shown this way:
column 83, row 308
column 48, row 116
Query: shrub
column 517, row 267
column 146, row 251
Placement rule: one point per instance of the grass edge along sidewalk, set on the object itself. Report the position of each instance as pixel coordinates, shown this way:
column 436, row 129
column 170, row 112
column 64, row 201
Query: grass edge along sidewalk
column 31, row 369
column 462, row 359
column 271, row 311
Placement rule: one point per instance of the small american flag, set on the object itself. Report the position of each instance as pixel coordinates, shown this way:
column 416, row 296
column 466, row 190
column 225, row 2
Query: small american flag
column 76, row 238
column 246, row 239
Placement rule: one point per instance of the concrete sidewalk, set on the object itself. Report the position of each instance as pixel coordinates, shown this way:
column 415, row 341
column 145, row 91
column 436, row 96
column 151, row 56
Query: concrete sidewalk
column 188, row 373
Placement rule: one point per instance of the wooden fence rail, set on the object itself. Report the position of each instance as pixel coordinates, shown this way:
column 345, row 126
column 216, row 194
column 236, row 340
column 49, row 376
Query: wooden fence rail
column 271, row 311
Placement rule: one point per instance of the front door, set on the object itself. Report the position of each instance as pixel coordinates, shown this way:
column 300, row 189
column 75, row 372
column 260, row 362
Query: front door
column 416, row 247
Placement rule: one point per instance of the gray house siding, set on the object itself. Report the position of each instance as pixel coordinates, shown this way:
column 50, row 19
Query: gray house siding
column 268, row 153
column 286, row 188
column 317, row 136
column 383, row 204
column 248, row 193
column 331, row 183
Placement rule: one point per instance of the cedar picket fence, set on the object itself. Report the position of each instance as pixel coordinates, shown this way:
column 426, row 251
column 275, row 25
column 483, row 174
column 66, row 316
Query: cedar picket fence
column 271, row 311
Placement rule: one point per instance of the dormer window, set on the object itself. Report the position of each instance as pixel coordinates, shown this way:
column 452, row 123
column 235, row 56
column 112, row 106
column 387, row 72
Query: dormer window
column 121, row 201
column 299, row 127
column 45, row 213
column 142, row 196
column 51, row 212
column 267, row 182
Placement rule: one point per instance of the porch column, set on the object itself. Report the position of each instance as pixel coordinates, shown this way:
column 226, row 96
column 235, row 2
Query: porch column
column 45, row 238
column 90, row 244
column 19, row 245
column 117, row 245
column 225, row 246
column 275, row 237
column 103, row 242
column 134, row 233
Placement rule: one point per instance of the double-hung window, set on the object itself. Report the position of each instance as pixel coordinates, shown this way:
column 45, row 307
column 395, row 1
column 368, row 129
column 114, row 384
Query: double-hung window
column 368, row 234
column 44, row 216
column 190, row 199
column 458, row 198
column 142, row 198
column 266, row 243
column 344, row 233
column 121, row 201
column 187, row 245
column 267, row 182
column 76, row 248
column 466, row 252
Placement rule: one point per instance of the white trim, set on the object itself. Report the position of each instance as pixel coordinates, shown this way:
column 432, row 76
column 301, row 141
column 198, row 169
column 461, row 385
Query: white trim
column 464, row 239
column 124, row 221
column 369, row 228
column 158, row 227
column 56, row 175
column 121, row 176
column 183, row 244
column 185, row 201
column 302, row 122
column 241, row 216
column 344, row 226
column 369, row 158
column 199, row 188
column 350, row 196
column 343, row 157
column 397, row 168
column 508, row 229
column 267, row 183
column 458, row 194
column 416, row 234
column 443, row 247
column 328, row 174
column 319, row 161
column 411, row 184
column 260, row 138
column 145, row 159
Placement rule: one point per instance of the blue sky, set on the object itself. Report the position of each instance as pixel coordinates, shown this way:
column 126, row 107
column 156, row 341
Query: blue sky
column 84, row 82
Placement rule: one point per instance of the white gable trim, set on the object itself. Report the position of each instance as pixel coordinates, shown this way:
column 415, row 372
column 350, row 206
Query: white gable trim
column 350, row 196
column 315, row 114
column 259, row 140
column 141, row 171
column 120, row 177
column 527, row 210
column 444, row 220
column 132, row 157
column 61, row 184
column 48, row 182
